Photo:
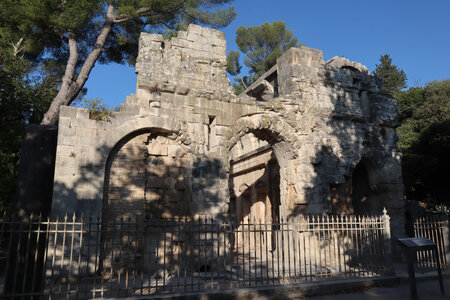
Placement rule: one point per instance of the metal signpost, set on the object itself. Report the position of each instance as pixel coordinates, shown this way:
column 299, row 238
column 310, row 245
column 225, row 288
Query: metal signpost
column 411, row 246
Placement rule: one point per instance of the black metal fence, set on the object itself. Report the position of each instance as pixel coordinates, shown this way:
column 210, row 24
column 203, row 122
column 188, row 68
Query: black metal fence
column 88, row 258
column 435, row 228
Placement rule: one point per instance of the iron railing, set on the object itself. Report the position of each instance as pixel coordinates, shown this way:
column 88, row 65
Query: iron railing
column 79, row 258
column 435, row 228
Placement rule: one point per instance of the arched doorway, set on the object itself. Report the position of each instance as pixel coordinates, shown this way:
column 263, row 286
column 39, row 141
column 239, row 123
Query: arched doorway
column 355, row 195
column 255, row 192
column 254, row 181
column 362, row 195
column 146, row 179
column 147, row 174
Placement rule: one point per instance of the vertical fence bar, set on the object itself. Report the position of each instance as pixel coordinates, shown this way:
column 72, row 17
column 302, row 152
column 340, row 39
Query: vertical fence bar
column 417, row 234
column 71, row 255
column 288, row 233
column 255, row 277
column 362, row 236
column 387, row 238
column 309, row 232
column 249, row 251
column 164, row 252
column 27, row 250
column 261, row 246
column 36, row 253
column 99, row 244
column 18, row 250
column 55, row 245
column 437, row 232
column 445, row 248
column 80, row 248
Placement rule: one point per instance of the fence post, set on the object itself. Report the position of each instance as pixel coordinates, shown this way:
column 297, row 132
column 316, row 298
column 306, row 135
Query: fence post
column 387, row 241
column 446, row 241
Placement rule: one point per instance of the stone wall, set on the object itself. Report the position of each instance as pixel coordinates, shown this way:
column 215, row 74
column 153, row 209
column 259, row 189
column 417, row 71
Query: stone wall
column 172, row 148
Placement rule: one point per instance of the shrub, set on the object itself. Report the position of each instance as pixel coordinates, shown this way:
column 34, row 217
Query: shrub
column 97, row 109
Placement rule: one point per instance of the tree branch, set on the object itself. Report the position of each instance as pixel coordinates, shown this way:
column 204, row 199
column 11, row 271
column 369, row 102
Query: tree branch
column 98, row 48
column 144, row 11
column 73, row 59
column 123, row 18
column 242, row 80
column 67, row 84
column 17, row 45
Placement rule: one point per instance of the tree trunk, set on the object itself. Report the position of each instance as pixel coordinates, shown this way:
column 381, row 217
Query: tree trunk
column 242, row 81
column 64, row 97
column 70, row 87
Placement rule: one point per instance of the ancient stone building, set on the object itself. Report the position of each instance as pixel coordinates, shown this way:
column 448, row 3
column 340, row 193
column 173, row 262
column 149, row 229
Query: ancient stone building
column 308, row 137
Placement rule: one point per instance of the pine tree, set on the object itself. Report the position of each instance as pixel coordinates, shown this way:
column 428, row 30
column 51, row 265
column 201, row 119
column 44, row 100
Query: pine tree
column 83, row 32
column 394, row 79
column 262, row 45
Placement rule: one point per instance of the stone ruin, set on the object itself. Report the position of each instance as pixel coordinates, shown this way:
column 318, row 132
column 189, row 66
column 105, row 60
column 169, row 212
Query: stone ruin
column 307, row 137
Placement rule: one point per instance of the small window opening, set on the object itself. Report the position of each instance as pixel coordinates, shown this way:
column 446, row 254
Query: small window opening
column 211, row 122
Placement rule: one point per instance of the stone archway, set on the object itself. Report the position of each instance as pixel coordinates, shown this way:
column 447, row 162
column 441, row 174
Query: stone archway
column 271, row 140
column 146, row 173
column 146, row 177
column 356, row 194
column 254, row 181
column 364, row 200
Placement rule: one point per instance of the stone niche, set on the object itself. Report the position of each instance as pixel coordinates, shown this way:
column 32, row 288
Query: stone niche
column 307, row 137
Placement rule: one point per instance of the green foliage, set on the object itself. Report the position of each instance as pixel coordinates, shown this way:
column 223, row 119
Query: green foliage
column 26, row 90
column 424, row 136
column 262, row 45
column 170, row 33
column 234, row 68
column 45, row 25
column 81, row 33
column 394, row 79
column 233, row 65
column 408, row 101
column 97, row 109
column 238, row 88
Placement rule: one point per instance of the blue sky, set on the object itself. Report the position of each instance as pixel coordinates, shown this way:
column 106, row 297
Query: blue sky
column 415, row 33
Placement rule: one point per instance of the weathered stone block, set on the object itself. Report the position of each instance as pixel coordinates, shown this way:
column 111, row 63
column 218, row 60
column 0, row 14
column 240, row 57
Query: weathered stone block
column 158, row 149
column 156, row 182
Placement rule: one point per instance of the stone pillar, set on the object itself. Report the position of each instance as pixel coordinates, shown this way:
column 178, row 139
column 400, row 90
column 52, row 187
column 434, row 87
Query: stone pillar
column 36, row 171
column 33, row 196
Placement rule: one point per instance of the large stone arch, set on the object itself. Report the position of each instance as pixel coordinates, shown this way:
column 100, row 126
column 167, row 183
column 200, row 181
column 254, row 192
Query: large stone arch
column 280, row 149
column 367, row 186
column 279, row 131
column 139, row 160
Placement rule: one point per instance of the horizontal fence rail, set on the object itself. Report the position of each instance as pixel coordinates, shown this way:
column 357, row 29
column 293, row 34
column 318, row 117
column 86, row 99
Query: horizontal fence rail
column 435, row 228
column 90, row 258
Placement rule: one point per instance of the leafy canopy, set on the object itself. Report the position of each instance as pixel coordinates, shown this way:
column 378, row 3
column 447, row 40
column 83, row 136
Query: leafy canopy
column 424, row 136
column 394, row 79
column 44, row 25
column 82, row 32
column 26, row 90
column 261, row 45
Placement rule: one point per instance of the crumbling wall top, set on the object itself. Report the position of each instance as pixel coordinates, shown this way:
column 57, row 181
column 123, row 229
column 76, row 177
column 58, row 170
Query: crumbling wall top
column 193, row 62
column 344, row 63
